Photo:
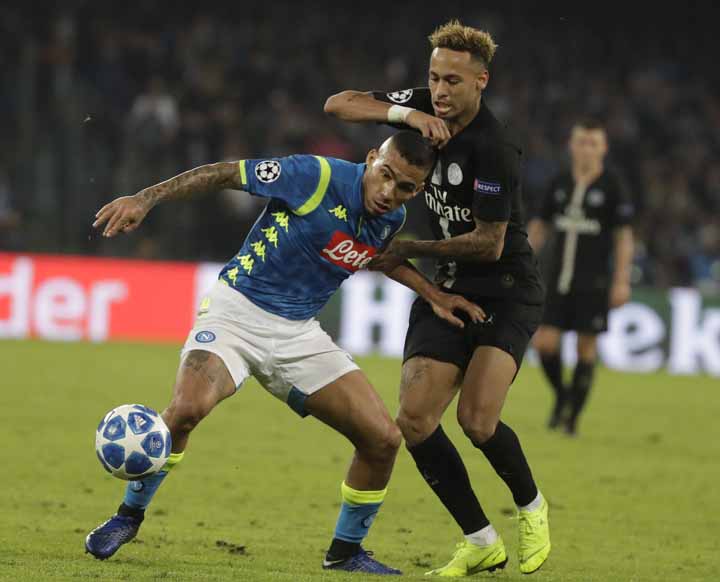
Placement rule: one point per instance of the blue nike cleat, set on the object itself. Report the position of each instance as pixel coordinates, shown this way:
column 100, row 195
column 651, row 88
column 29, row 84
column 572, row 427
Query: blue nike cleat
column 361, row 562
column 106, row 539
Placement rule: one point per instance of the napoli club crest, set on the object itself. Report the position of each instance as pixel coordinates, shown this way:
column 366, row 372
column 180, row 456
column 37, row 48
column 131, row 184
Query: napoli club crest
column 204, row 337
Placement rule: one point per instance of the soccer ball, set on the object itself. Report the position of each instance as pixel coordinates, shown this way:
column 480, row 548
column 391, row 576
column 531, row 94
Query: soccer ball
column 132, row 442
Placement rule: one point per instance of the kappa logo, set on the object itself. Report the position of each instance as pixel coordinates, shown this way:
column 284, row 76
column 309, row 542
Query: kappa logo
column 401, row 96
column 205, row 337
column 268, row 171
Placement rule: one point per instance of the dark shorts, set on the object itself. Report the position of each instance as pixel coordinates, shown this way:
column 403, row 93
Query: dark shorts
column 585, row 313
column 509, row 327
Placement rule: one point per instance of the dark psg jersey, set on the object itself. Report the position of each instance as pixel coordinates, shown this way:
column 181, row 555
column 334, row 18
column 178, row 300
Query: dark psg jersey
column 577, row 257
column 477, row 175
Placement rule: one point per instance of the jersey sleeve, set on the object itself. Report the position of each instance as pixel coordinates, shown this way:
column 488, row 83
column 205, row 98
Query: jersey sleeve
column 495, row 183
column 299, row 181
column 623, row 211
column 418, row 98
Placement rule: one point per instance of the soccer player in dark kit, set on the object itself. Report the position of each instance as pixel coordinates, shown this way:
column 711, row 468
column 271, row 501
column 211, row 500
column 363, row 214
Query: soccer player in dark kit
column 587, row 264
column 482, row 252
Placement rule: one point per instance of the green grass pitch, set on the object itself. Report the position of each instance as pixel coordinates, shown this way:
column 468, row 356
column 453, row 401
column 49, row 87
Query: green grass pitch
column 636, row 497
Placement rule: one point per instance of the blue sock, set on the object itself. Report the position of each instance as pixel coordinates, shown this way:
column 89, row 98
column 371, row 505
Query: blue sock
column 138, row 494
column 357, row 513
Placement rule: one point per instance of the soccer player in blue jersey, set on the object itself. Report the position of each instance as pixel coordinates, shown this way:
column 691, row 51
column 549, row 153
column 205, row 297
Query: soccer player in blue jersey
column 325, row 219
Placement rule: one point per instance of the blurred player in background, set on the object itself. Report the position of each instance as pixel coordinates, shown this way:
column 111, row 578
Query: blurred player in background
column 475, row 211
column 325, row 220
column 587, row 264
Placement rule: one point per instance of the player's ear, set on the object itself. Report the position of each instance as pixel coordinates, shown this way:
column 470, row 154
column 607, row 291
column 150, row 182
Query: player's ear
column 482, row 79
column 371, row 156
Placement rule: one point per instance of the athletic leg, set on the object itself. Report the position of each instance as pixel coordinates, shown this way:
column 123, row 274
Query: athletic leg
column 547, row 343
column 351, row 406
column 582, row 379
column 202, row 382
column 428, row 387
column 482, row 396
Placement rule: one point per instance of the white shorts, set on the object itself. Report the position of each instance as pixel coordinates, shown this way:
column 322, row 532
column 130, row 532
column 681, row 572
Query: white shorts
column 291, row 359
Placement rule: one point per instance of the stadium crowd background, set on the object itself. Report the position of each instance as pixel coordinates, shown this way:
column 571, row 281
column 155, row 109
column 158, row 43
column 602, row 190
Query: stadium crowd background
column 99, row 100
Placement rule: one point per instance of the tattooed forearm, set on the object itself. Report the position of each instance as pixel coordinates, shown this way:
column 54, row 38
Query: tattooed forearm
column 483, row 244
column 206, row 178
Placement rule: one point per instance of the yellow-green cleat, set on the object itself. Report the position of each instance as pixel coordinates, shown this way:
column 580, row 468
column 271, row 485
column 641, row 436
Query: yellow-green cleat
column 534, row 538
column 470, row 559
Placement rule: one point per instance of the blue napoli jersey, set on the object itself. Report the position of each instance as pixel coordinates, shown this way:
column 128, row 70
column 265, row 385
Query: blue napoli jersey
column 312, row 235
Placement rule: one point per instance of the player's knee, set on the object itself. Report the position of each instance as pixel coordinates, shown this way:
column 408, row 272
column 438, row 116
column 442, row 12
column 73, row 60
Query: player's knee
column 415, row 427
column 477, row 426
column 587, row 349
column 545, row 345
column 383, row 447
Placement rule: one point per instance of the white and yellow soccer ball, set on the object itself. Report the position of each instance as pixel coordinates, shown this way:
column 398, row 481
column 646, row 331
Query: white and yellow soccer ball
column 132, row 441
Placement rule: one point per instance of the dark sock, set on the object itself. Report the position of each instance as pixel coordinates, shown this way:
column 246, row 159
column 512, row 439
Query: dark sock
column 581, row 384
column 552, row 365
column 127, row 511
column 506, row 456
column 440, row 465
column 341, row 550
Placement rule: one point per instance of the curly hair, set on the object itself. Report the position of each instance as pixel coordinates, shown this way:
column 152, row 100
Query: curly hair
column 455, row 36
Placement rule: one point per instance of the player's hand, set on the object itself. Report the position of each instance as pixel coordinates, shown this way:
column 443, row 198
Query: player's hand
column 385, row 262
column 445, row 304
column 619, row 294
column 121, row 215
column 433, row 128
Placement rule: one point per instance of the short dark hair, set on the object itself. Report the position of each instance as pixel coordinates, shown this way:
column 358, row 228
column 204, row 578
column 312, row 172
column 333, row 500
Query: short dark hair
column 414, row 148
column 590, row 122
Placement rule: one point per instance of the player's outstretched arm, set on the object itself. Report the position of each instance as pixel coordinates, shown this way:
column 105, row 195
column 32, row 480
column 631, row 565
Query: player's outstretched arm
column 443, row 304
column 359, row 107
column 484, row 244
column 125, row 214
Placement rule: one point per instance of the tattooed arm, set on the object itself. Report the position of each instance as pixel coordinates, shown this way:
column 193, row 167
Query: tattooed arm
column 484, row 244
column 125, row 214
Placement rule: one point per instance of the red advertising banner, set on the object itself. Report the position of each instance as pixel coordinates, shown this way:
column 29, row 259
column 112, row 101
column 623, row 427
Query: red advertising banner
column 78, row 298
